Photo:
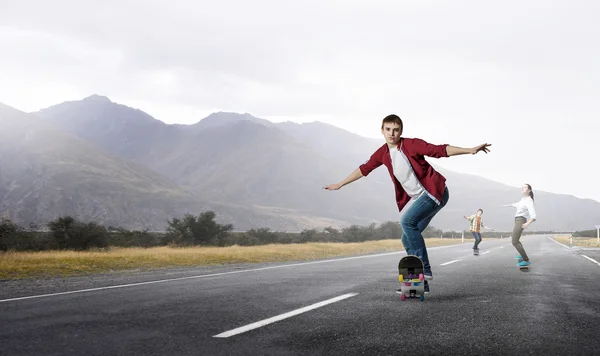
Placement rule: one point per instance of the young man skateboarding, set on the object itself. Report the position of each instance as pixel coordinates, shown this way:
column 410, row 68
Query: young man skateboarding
column 414, row 178
column 475, row 225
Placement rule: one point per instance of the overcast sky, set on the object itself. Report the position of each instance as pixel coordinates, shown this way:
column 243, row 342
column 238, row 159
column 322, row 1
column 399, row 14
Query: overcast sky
column 521, row 75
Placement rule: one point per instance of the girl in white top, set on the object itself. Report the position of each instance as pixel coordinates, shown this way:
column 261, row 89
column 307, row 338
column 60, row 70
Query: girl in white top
column 524, row 216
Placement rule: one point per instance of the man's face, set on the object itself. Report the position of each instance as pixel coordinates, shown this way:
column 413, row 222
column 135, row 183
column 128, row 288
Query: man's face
column 391, row 132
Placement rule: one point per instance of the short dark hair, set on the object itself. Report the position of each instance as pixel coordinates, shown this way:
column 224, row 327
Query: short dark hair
column 480, row 210
column 394, row 119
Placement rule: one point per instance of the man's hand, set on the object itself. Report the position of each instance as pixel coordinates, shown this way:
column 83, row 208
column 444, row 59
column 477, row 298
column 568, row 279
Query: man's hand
column 333, row 186
column 482, row 147
column 356, row 174
column 455, row 151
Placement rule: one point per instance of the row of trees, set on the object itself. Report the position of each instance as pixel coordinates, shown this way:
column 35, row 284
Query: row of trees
column 585, row 233
column 202, row 230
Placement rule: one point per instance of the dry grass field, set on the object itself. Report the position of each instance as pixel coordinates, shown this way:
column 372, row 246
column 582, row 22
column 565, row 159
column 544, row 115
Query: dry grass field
column 68, row 263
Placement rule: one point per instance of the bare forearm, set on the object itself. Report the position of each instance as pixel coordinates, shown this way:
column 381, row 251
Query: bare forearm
column 357, row 174
column 455, row 151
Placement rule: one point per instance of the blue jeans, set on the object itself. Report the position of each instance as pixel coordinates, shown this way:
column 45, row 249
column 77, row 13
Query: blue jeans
column 415, row 220
column 477, row 236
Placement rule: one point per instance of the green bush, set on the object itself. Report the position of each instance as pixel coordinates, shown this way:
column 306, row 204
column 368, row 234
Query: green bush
column 585, row 233
column 71, row 234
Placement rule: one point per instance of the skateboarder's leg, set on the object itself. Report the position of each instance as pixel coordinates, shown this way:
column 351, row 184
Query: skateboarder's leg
column 406, row 243
column 477, row 236
column 421, row 225
column 414, row 221
column 516, row 236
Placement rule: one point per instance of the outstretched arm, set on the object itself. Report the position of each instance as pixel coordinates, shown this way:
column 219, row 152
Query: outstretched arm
column 486, row 227
column 362, row 171
column 357, row 174
column 455, row 151
column 437, row 151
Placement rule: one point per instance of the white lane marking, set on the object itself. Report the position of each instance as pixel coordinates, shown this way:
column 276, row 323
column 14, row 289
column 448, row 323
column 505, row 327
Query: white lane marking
column 563, row 245
column 214, row 274
column 486, row 252
column 591, row 259
column 447, row 263
column 502, row 246
column 279, row 317
column 198, row 276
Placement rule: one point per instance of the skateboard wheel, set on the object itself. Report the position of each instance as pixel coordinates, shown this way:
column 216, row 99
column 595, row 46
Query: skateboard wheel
column 422, row 297
column 403, row 297
column 421, row 276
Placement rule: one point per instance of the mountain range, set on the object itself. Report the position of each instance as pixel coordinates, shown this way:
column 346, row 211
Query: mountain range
column 99, row 160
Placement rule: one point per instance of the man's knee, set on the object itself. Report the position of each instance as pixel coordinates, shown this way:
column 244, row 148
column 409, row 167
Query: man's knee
column 408, row 223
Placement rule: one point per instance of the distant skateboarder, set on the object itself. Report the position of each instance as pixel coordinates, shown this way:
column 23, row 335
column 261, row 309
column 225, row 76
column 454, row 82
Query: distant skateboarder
column 413, row 178
column 524, row 216
column 475, row 225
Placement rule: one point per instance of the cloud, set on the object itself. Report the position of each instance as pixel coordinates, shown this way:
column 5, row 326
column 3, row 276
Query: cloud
column 523, row 75
column 296, row 58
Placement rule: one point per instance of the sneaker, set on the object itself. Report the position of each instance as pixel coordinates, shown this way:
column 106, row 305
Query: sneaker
column 428, row 275
column 519, row 257
column 399, row 291
column 523, row 263
column 426, row 288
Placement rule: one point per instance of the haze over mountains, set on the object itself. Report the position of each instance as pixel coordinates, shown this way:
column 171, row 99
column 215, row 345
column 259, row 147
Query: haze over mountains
column 103, row 161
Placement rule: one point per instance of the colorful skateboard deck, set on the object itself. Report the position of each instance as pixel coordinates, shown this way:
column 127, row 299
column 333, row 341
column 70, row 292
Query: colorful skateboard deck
column 411, row 277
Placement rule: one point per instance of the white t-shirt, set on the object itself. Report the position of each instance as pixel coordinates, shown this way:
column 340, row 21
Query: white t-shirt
column 525, row 208
column 405, row 174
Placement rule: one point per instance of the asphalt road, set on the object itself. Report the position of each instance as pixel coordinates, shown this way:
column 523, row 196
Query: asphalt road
column 478, row 305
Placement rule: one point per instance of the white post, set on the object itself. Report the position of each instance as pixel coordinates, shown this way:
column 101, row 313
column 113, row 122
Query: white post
column 463, row 237
column 598, row 234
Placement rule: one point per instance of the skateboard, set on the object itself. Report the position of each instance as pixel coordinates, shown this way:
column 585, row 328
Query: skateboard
column 411, row 277
column 476, row 252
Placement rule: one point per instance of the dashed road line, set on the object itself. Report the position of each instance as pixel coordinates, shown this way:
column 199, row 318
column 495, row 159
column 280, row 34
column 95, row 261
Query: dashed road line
column 279, row 317
column 447, row 263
